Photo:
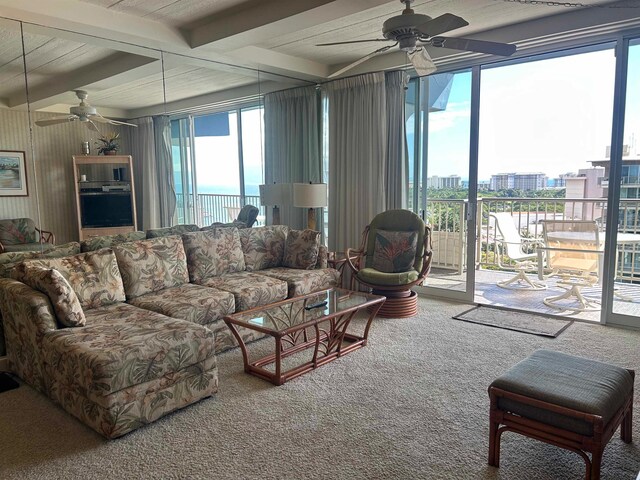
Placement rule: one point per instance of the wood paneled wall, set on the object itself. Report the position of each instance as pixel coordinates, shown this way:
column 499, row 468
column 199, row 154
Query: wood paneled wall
column 51, row 200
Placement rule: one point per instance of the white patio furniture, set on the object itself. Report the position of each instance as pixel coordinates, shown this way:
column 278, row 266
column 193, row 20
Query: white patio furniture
column 519, row 250
column 573, row 253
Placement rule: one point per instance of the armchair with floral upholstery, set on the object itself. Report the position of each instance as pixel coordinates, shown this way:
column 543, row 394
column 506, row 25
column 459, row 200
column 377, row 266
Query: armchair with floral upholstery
column 22, row 235
column 395, row 255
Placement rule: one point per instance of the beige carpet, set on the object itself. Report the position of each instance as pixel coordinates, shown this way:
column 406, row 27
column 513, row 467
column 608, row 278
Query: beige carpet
column 411, row 405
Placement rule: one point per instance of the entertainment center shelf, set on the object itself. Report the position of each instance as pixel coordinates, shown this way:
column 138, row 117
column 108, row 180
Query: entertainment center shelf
column 105, row 195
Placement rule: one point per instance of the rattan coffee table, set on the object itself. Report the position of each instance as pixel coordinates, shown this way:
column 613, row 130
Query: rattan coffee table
column 318, row 322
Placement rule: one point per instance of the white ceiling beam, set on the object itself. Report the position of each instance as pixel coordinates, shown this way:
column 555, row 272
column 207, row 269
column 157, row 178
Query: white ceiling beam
column 94, row 20
column 253, row 22
column 282, row 63
column 235, row 95
column 86, row 23
column 119, row 67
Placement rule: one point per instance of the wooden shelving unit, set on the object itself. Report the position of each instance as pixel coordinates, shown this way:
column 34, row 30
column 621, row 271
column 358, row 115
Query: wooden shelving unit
column 105, row 195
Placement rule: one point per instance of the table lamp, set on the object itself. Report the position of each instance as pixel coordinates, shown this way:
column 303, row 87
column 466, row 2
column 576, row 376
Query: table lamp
column 311, row 196
column 275, row 194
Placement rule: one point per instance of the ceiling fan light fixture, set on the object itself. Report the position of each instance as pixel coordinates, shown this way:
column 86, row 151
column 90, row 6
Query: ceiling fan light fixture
column 408, row 44
column 422, row 62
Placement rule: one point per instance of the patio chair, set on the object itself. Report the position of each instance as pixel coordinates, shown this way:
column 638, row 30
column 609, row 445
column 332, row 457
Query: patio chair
column 395, row 254
column 22, row 235
column 248, row 214
column 519, row 250
column 574, row 255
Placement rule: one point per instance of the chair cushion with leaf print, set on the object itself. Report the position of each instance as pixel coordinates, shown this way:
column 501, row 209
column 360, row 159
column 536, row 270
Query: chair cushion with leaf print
column 19, row 235
column 394, row 252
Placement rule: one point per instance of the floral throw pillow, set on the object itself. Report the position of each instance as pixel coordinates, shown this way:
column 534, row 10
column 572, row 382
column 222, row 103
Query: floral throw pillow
column 263, row 247
column 213, row 252
column 94, row 276
column 301, row 249
column 394, row 251
column 51, row 282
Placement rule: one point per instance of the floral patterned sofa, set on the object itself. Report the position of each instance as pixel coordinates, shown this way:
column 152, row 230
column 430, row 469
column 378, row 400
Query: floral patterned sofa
column 208, row 274
column 152, row 317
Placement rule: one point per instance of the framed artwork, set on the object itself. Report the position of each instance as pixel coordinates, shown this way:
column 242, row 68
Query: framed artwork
column 13, row 174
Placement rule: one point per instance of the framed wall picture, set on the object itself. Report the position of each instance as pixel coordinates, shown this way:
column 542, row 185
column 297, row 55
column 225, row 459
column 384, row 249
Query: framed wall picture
column 13, row 174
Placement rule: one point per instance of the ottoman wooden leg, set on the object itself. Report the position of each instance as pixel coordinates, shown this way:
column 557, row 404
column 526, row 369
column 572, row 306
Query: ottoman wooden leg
column 596, row 461
column 494, row 434
column 625, row 427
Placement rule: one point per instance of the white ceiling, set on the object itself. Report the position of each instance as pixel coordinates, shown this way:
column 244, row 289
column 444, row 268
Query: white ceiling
column 111, row 47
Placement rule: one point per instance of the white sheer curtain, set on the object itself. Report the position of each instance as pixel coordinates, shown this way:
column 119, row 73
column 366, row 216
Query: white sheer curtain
column 357, row 156
column 397, row 162
column 292, row 144
column 153, row 172
column 164, row 170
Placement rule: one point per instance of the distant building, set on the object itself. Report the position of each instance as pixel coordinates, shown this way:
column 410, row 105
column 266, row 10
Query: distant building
column 436, row 182
column 587, row 183
column 484, row 185
column 629, row 216
column 518, row 181
column 561, row 180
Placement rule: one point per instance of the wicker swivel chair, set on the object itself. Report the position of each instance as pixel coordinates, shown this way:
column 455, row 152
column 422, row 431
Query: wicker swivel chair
column 393, row 239
column 22, row 235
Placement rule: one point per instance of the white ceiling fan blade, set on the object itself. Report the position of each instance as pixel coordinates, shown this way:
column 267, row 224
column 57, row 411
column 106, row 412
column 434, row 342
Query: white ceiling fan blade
column 92, row 126
column 354, row 41
column 360, row 60
column 56, row 120
column 470, row 45
column 116, row 122
column 100, row 119
column 422, row 62
column 441, row 24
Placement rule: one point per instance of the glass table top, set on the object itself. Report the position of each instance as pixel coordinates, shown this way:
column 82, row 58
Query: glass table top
column 297, row 311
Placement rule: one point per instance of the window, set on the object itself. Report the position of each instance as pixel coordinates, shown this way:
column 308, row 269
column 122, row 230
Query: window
column 221, row 173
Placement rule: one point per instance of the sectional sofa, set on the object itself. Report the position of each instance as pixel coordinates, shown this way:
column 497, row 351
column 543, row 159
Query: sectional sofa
column 143, row 338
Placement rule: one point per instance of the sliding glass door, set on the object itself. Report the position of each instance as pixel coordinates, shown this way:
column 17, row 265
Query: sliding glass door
column 439, row 132
column 624, row 293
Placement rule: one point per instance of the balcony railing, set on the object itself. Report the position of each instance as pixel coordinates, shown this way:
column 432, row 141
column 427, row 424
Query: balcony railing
column 211, row 208
column 447, row 220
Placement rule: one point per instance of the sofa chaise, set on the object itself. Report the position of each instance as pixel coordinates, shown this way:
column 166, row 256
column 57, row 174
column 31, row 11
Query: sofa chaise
column 153, row 313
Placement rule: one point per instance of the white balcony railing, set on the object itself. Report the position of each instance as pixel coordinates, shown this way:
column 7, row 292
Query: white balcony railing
column 447, row 220
column 211, row 208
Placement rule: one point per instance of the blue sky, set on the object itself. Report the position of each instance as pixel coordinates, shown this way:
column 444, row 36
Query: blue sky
column 550, row 115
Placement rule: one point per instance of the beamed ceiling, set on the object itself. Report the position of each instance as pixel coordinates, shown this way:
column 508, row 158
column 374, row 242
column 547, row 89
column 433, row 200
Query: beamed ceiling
column 217, row 50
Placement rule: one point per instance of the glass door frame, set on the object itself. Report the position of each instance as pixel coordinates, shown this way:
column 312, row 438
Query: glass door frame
column 608, row 316
column 468, row 294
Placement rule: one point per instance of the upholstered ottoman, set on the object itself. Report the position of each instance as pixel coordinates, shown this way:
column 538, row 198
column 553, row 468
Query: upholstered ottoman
column 567, row 401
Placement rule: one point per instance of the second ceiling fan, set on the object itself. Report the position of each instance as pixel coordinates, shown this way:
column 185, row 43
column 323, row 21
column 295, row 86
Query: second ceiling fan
column 412, row 32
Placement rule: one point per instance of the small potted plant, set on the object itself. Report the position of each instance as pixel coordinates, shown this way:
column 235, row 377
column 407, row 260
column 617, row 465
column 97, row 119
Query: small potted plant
column 108, row 143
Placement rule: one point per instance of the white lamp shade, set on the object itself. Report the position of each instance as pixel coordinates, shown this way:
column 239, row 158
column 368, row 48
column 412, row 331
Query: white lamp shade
column 275, row 194
column 310, row 195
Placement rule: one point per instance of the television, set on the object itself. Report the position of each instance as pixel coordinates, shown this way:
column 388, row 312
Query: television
column 108, row 209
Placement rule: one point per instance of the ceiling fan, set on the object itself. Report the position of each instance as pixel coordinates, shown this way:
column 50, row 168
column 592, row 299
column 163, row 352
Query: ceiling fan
column 84, row 113
column 412, row 32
